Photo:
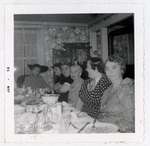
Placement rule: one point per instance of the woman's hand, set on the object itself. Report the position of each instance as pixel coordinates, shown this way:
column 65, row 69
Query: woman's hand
column 57, row 87
column 65, row 87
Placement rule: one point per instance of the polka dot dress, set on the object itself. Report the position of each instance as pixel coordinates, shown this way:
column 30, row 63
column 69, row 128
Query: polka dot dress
column 92, row 99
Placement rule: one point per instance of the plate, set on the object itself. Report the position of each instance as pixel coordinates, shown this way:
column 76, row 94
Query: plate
column 33, row 101
column 101, row 127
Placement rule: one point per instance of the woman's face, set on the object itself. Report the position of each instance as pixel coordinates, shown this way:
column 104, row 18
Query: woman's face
column 57, row 71
column 113, row 70
column 66, row 70
column 75, row 73
column 90, row 71
column 36, row 71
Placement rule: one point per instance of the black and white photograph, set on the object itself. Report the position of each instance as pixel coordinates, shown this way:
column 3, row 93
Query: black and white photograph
column 74, row 73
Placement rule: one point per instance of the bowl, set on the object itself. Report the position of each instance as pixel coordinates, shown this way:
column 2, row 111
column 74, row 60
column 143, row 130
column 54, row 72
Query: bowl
column 50, row 98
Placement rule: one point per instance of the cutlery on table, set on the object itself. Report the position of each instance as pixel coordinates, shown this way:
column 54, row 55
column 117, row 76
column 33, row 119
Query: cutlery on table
column 73, row 125
column 81, row 129
column 93, row 125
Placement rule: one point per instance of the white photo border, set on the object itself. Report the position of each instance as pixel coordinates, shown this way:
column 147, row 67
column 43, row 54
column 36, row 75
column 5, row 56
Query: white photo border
column 10, row 10
column 2, row 99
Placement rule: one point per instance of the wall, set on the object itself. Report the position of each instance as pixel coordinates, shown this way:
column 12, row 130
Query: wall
column 46, row 38
column 56, row 35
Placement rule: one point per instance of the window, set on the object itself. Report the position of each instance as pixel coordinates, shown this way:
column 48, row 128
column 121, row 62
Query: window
column 25, row 49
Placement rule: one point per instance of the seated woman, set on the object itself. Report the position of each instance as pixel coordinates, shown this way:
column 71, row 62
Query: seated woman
column 57, row 77
column 92, row 90
column 57, row 73
column 75, row 87
column 35, row 80
column 118, row 100
column 65, row 82
column 84, row 74
column 20, row 80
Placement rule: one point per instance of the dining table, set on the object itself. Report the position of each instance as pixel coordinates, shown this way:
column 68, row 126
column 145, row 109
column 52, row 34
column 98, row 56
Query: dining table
column 39, row 117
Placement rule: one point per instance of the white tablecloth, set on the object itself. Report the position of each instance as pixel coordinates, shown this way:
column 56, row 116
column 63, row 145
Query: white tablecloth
column 58, row 118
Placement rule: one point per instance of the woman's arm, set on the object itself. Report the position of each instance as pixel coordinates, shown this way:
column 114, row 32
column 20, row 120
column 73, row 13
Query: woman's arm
column 127, row 101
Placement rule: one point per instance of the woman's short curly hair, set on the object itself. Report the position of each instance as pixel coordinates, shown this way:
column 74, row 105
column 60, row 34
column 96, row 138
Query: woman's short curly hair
column 97, row 62
column 57, row 65
column 118, row 59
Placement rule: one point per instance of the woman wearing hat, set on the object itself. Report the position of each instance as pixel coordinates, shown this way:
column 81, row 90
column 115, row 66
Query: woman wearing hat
column 35, row 80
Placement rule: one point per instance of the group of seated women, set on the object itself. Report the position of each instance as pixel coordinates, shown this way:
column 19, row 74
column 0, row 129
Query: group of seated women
column 105, row 95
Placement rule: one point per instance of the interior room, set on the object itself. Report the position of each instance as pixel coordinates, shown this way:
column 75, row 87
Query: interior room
column 50, row 38
column 46, row 41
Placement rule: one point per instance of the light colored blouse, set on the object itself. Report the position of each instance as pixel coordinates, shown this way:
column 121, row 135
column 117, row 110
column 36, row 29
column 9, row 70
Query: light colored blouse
column 117, row 106
column 74, row 94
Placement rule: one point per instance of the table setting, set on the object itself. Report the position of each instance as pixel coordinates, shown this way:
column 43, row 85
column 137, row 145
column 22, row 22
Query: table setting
column 43, row 114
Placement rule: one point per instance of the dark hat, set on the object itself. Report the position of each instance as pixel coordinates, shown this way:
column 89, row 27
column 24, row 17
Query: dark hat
column 42, row 67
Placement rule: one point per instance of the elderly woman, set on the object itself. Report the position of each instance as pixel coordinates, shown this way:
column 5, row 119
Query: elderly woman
column 118, row 100
column 92, row 90
column 74, row 99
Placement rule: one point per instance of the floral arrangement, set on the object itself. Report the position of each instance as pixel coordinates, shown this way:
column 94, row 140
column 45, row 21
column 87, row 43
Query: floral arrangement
column 56, row 36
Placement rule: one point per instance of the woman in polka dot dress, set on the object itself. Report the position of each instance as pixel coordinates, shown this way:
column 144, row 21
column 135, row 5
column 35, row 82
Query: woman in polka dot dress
column 92, row 90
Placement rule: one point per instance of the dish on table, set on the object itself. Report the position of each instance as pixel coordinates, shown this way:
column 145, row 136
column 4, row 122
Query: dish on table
column 33, row 101
column 50, row 98
column 81, row 114
column 100, row 127
column 35, row 108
